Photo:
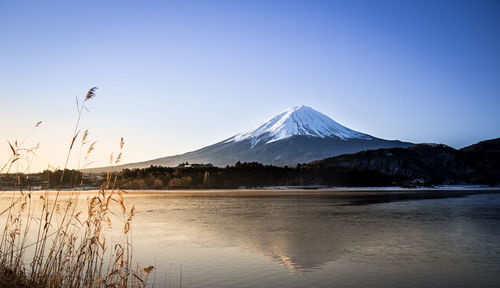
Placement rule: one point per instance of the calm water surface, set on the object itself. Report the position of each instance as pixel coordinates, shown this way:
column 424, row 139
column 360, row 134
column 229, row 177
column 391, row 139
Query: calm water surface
column 410, row 239
column 320, row 241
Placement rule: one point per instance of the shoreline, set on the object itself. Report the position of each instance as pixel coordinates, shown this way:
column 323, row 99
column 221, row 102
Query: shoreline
column 278, row 192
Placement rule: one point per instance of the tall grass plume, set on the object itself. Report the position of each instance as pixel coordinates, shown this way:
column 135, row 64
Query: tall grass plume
column 49, row 240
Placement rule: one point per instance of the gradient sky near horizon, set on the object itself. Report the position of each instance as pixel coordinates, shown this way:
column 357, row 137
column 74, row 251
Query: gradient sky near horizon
column 174, row 76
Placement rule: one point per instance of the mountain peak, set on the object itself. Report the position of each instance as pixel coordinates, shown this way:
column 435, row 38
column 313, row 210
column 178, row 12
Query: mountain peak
column 297, row 120
column 299, row 107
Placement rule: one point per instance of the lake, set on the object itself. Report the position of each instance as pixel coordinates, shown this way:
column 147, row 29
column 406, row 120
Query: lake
column 376, row 240
column 319, row 238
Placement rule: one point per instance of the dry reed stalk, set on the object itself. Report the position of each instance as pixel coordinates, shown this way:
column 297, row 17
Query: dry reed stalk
column 69, row 251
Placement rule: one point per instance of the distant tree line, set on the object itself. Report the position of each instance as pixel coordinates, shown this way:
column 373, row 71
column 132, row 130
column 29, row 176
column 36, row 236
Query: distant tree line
column 244, row 175
column 241, row 175
column 47, row 180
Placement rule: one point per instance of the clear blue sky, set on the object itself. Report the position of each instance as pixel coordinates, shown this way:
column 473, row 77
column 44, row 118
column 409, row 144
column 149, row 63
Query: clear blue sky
column 174, row 76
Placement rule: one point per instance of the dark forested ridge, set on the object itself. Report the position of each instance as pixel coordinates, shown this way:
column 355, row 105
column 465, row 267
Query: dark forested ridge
column 425, row 164
column 486, row 157
column 419, row 165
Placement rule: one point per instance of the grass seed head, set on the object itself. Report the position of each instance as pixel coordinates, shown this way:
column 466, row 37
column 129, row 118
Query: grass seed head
column 90, row 93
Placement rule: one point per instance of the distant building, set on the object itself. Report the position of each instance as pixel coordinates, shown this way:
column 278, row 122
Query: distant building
column 187, row 165
column 184, row 165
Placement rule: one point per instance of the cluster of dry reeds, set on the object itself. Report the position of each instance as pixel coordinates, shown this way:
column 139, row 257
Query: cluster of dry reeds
column 50, row 240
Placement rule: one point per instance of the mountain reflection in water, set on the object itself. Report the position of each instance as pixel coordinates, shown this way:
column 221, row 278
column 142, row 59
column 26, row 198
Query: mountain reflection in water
column 221, row 241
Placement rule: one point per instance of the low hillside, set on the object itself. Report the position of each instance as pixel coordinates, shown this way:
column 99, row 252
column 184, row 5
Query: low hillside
column 425, row 163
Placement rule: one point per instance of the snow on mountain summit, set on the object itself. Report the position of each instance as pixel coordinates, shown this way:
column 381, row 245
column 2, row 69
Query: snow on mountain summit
column 297, row 120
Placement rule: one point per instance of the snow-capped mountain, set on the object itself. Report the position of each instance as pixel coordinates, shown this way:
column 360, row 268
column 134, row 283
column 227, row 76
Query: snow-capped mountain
column 297, row 121
column 298, row 135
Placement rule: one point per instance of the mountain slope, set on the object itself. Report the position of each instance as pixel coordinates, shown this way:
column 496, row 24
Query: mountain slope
column 298, row 135
column 424, row 163
column 486, row 156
